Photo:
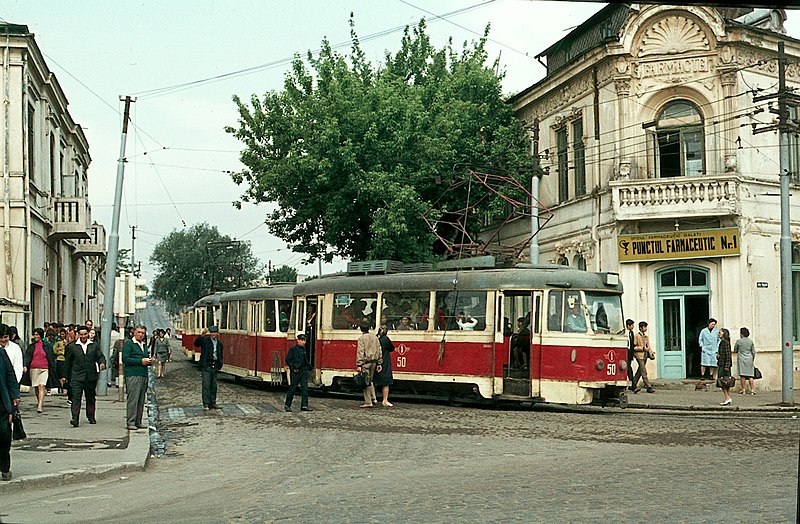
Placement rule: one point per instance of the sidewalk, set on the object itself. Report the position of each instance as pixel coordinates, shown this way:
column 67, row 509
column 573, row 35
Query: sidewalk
column 682, row 395
column 56, row 453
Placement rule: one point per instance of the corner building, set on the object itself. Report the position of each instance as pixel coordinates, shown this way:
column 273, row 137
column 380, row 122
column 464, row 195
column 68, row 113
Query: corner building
column 644, row 127
column 52, row 256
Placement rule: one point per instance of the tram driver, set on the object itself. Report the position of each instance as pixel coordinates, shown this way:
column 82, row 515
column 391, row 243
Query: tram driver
column 575, row 321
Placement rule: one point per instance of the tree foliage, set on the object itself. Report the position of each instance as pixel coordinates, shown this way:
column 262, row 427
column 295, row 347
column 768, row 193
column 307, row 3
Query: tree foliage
column 194, row 262
column 283, row 274
column 355, row 154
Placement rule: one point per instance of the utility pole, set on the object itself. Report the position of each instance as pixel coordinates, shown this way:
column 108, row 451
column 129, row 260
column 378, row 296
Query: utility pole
column 133, row 250
column 535, row 180
column 113, row 253
column 784, row 127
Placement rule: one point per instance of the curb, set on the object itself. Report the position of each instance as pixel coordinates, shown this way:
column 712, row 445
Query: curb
column 138, row 447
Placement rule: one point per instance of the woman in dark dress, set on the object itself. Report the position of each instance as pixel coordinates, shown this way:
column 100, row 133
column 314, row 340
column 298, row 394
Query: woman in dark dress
column 725, row 363
column 383, row 377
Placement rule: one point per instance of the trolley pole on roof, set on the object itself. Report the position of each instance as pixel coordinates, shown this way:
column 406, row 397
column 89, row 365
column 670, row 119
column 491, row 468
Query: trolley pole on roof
column 113, row 253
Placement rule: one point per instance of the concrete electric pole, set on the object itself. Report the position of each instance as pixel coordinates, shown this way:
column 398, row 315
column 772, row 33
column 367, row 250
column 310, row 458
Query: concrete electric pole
column 113, row 253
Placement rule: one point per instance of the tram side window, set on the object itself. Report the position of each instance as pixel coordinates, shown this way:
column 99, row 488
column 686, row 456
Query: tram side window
column 269, row 316
column 284, row 313
column 555, row 301
column 350, row 309
column 233, row 315
column 223, row 317
column 243, row 315
column 403, row 311
column 464, row 310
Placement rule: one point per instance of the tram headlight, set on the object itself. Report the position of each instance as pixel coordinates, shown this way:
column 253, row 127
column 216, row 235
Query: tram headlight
column 623, row 365
column 600, row 365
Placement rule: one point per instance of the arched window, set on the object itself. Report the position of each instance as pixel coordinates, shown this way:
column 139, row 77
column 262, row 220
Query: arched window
column 562, row 261
column 679, row 140
column 579, row 262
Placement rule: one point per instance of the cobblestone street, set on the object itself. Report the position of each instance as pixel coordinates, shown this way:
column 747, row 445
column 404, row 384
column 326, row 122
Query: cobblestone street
column 436, row 463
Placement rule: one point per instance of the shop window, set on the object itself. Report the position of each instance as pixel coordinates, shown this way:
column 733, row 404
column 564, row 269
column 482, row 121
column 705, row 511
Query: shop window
column 684, row 278
column 679, row 141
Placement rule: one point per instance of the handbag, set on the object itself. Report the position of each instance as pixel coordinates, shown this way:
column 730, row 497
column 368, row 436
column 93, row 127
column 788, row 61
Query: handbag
column 726, row 382
column 18, row 432
column 757, row 373
column 361, row 380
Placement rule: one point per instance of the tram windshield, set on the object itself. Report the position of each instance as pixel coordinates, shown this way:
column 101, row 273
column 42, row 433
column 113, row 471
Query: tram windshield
column 605, row 312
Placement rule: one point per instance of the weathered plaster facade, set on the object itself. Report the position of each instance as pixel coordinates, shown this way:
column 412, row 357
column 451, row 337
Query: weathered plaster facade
column 52, row 261
column 662, row 98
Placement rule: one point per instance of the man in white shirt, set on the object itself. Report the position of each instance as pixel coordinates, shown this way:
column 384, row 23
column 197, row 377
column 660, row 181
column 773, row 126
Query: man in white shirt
column 13, row 351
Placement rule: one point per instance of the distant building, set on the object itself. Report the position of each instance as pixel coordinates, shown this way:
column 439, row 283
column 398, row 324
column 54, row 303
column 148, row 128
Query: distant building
column 53, row 255
column 644, row 126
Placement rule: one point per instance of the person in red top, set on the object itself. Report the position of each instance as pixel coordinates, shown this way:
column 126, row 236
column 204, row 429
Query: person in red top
column 40, row 361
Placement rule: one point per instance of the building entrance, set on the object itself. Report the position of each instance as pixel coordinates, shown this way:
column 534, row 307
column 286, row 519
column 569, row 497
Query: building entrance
column 683, row 310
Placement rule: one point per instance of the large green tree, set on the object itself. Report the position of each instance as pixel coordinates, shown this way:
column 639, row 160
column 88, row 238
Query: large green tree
column 355, row 154
column 193, row 262
column 283, row 274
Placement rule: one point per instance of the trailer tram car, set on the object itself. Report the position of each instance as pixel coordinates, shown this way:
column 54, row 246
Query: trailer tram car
column 252, row 327
column 204, row 313
column 529, row 333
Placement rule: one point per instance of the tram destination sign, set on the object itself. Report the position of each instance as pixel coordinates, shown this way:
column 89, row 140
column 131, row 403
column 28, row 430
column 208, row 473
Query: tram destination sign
column 677, row 245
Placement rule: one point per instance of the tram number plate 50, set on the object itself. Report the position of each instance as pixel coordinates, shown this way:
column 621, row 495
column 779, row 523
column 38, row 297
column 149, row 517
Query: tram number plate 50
column 401, row 362
column 611, row 369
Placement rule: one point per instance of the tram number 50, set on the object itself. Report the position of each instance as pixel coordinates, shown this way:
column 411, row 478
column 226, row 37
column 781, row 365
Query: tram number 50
column 401, row 362
column 611, row 369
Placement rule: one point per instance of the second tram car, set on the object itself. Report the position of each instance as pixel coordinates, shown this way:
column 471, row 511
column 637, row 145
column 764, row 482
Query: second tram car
column 204, row 313
column 252, row 327
column 530, row 333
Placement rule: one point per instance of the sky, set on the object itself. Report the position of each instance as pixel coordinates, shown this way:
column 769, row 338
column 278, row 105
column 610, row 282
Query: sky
column 179, row 156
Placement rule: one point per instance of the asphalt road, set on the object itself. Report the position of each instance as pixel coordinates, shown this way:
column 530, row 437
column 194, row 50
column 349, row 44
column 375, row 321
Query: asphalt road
column 429, row 462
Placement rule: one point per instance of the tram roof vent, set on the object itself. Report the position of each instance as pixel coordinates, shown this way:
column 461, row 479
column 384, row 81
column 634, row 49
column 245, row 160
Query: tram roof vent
column 484, row 262
column 374, row 267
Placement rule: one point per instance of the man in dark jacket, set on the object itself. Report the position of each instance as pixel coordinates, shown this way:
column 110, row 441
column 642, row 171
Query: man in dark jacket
column 135, row 361
column 84, row 362
column 297, row 360
column 210, row 362
column 9, row 400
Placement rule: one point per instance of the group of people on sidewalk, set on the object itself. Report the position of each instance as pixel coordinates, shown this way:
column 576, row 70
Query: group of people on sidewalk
column 716, row 357
column 69, row 358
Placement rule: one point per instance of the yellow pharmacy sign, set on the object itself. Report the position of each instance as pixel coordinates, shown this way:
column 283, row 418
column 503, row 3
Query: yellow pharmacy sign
column 676, row 245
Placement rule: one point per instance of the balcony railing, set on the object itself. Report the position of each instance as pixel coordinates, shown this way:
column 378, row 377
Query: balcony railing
column 675, row 197
column 93, row 246
column 70, row 218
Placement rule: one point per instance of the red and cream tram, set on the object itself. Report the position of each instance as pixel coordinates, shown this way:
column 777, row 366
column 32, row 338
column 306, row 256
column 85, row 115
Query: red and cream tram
column 204, row 313
column 252, row 327
column 530, row 333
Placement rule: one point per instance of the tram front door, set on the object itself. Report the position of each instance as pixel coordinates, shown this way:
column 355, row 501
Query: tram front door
column 522, row 322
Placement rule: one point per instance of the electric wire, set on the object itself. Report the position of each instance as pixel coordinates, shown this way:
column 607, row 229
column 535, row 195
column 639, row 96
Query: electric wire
column 166, row 190
column 170, row 89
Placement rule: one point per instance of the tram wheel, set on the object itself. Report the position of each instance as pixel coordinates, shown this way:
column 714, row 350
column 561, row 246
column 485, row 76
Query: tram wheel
column 623, row 400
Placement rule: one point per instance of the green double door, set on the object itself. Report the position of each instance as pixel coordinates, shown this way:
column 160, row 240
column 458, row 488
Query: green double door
column 683, row 310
